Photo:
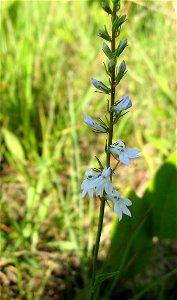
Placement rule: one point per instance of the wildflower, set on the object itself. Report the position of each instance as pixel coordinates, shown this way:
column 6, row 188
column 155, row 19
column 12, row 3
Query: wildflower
column 85, row 186
column 90, row 122
column 100, row 86
column 102, row 183
column 120, row 204
column 124, row 153
column 123, row 104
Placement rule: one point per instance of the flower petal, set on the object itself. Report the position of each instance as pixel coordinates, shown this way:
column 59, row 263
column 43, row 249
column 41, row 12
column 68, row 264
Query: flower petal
column 84, row 193
column 120, row 143
column 106, row 172
column 124, row 159
column 100, row 188
column 127, row 201
column 108, row 188
column 126, row 211
column 90, row 122
column 132, row 153
column 88, row 172
column 90, row 192
column 114, row 150
column 118, row 210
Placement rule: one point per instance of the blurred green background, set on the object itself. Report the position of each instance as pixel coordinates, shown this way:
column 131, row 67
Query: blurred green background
column 49, row 51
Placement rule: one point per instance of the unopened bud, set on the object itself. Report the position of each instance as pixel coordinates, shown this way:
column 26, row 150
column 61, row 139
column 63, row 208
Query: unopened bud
column 121, row 47
column 107, row 50
column 111, row 66
column 121, row 72
column 104, row 35
column 100, row 86
column 106, row 7
column 118, row 22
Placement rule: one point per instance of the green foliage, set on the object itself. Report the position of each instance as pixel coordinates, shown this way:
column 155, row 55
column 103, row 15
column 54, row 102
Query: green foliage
column 104, row 276
column 154, row 216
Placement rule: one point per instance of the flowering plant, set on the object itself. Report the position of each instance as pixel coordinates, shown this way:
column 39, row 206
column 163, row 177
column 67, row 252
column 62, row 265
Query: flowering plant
column 98, row 182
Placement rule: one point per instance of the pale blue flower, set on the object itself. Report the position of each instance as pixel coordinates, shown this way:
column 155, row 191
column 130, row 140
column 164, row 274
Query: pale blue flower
column 124, row 153
column 102, row 183
column 124, row 104
column 120, row 204
column 86, row 184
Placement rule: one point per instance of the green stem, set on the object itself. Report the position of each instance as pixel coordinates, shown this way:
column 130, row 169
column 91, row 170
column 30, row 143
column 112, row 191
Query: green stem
column 100, row 224
column 102, row 206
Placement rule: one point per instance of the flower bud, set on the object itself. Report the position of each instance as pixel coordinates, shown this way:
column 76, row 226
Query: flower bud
column 107, row 50
column 111, row 66
column 121, row 72
column 94, row 125
column 117, row 4
column 104, row 35
column 100, row 86
column 118, row 22
column 123, row 104
column 121, row 47
column 106, row 7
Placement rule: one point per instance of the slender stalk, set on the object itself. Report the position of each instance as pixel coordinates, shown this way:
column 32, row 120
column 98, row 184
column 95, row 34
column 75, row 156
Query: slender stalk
column 110, row 136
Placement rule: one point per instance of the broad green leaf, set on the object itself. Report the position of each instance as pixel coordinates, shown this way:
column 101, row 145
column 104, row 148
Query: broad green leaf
column 161, row 194
column 13, row 145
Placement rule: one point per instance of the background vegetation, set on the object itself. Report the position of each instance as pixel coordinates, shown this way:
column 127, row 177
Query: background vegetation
column 49, row 51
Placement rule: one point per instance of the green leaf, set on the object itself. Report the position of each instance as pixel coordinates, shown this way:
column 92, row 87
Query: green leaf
column 161, row 194
column 99, row 162
column 102, row 277
column 13, row 145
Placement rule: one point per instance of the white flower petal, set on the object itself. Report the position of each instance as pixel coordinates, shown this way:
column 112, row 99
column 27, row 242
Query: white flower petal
column 84, row 192
column 118, row 210
column 108, row 188
column 88, row 172
column 94, row 182
column 124, row 159
column 84, row 184
column 120, row 143
column 127, row 201
column 99, row 189
column 114, row 150
column 132, row 153
column 126, row 211
column 90, row 192
column 106, row 172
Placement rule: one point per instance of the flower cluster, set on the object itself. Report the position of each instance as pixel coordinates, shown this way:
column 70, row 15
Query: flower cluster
column 97, row 182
